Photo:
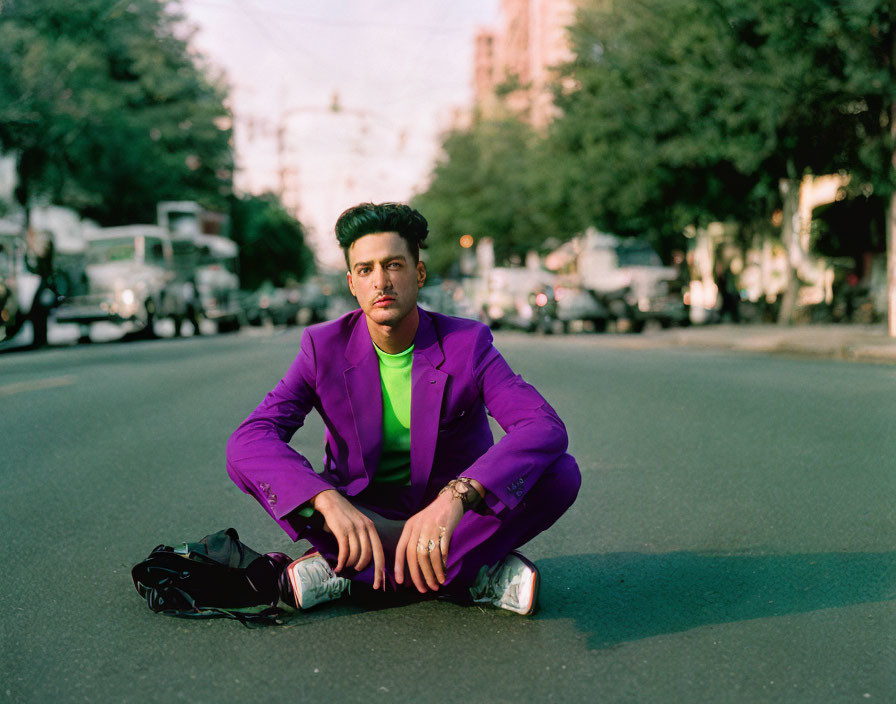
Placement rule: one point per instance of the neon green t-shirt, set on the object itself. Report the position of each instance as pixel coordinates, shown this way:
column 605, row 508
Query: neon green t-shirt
column 395, row 377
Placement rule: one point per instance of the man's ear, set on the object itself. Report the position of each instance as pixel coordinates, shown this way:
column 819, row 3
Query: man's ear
column 421, row 274
column 348, row 277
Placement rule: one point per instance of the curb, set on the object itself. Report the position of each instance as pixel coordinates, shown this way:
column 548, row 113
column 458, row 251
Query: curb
column 832, row 342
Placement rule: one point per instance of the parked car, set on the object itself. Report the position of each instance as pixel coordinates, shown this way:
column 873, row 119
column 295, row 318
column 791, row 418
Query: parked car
column 273, row 306
column 628, row 278
column 36, row 273
column 575, row 304
column 313, row 301
column 133, row 280
column 505, row 297
column 17, row 285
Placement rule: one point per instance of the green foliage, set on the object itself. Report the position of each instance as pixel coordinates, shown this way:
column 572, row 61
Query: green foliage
column 850, row 227
column 678, row 113
column 272, row 242
column 485, row 185
column 689, row 111
column 107, row 109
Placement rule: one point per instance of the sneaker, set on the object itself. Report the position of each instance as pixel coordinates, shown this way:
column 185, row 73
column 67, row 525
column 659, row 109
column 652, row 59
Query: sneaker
column 314, row 582
column 510, row 584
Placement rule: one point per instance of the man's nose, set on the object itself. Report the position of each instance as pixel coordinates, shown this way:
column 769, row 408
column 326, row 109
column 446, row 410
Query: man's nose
column 380, row 278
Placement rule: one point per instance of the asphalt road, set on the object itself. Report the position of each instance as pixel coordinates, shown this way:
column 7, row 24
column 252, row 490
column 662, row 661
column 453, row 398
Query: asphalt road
column 733, row 540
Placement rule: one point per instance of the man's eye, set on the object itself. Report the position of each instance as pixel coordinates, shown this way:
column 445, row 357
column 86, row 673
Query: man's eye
column 395, row 265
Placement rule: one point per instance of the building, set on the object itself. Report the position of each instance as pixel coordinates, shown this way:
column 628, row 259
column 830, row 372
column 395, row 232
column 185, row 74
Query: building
column 517, row 60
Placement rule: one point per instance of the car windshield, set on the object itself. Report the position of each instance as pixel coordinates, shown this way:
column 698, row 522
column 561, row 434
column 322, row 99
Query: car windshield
column 112, row 250
column 637, row 254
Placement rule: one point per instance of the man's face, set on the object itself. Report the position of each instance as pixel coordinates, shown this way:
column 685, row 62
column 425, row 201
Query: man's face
column 383, row 277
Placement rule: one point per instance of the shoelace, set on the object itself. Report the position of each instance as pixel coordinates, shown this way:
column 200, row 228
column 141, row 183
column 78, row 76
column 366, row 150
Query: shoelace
column 499, row 588
column 323, row 582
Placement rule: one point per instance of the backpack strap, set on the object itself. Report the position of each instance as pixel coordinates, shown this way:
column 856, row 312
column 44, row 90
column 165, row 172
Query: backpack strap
column 218, row 576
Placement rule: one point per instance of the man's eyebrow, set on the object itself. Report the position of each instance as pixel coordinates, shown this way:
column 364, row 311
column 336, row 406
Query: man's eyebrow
column 393, row 258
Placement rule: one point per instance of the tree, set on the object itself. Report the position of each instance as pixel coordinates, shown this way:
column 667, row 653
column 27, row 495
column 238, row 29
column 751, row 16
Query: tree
column 485, row 185
column 107, row 110
column 687, row 111
column 272, row 242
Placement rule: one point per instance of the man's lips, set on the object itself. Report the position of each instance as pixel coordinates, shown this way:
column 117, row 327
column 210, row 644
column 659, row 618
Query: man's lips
column 384, row 301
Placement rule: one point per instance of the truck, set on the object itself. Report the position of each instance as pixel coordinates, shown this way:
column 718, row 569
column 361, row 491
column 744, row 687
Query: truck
column 629, row 279
column 134, row 278
column 40, row 264
column 216, row 283
column 18, row 285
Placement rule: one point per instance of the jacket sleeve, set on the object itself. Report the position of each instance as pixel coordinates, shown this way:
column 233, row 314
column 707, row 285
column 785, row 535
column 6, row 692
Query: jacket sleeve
column 534, row 437
column 259, row 458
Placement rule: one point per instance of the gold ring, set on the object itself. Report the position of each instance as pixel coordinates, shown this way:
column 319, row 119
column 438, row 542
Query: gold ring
column 430, row 546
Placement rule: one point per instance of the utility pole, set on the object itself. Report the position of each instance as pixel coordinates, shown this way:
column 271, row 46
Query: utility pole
column 891, row 210
column 287, row 172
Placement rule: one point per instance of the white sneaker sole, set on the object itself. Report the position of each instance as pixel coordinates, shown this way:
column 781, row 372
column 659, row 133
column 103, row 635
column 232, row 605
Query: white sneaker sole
column 291, row 572
column 533, row 587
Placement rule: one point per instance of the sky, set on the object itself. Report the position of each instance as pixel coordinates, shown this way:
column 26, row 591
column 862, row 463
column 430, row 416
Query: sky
column 398, row 69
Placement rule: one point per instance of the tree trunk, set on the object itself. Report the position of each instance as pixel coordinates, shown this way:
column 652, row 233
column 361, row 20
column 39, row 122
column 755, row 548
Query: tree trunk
column 790, row 236
column 891, row 215
column 891, row 267
column 25, row 165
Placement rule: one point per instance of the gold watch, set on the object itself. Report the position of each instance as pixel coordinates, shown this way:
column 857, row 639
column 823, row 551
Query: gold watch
column 461, row 488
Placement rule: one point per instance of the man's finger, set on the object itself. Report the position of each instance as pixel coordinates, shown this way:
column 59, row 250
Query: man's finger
column 353, row 549
column 364, row 548
column 399, row 554
column 435, row 560
column 343, row 551
column 424, row 559
column 414, row 564
column 444, row 544
column 379, row 559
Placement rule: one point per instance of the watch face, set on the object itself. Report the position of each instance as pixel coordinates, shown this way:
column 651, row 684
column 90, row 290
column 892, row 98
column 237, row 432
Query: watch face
column 468, row 494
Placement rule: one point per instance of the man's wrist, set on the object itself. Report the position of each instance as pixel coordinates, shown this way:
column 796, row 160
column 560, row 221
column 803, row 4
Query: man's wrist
column 466, row 491
column 320, row 500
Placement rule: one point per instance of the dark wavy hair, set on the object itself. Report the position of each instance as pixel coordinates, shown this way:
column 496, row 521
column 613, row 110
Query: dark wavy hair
column 367, row 218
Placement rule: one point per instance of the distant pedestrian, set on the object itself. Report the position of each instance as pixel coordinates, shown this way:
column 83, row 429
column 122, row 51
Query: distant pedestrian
column 193, row 306
column 729, row 295
column 39, row 258
column 414, row 496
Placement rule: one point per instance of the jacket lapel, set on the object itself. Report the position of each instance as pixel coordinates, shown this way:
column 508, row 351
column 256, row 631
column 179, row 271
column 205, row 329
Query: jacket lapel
column 362, row 384
column 427, row 390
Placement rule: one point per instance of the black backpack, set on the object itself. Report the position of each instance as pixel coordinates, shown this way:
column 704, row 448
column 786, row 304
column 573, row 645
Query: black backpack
column 217, row 577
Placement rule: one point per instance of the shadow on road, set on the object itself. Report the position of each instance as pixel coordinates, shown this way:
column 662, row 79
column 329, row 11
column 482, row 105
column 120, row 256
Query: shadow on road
column 621, row 597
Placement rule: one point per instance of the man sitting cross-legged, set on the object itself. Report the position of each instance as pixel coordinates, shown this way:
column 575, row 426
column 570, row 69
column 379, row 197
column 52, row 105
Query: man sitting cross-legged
column 414, row 492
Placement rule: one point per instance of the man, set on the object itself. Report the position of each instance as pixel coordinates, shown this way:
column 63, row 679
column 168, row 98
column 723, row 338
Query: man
column 414, row 493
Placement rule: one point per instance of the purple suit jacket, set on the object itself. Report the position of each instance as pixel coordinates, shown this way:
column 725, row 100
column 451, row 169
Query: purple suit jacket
column 456, row 378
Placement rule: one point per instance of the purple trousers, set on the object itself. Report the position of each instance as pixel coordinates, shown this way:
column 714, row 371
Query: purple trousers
column 479, row 539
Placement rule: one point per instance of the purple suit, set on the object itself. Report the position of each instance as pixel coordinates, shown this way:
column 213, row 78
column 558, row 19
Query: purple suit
column 457, row 377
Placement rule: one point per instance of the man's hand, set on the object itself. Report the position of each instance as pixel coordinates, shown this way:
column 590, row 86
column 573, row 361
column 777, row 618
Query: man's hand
column 425, row 540
column 354, row 532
